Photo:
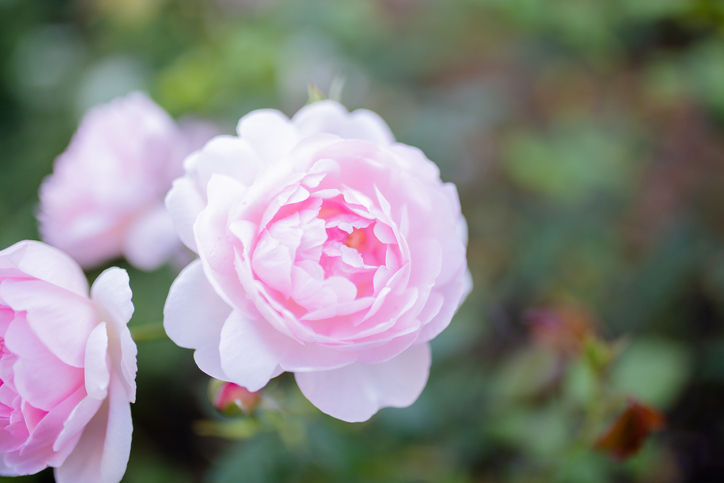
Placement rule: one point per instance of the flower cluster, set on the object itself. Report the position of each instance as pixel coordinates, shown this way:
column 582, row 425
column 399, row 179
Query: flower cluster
column 324, row 248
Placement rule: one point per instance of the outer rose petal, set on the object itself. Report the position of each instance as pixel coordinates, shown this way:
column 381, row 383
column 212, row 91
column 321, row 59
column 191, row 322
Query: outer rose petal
column 355, row 392
column 184, row 202
column 6, row 470
column 97, row 373
column 245, row 356
column 128, row 363
column 45, row 263
column 111, row 293
column 257, row 339
column 269, row 132
column 453, row 295
column 190, row 300
column 77, row 421
column 252, row 353
column 102, row 452
column 330, row 117
column 188, row 196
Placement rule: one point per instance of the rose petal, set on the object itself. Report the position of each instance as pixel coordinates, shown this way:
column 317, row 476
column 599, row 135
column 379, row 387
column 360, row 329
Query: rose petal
column 355, row 392
column 6, row 470
column 184, row 202
column 40, row 377
column 102, row 452
column 77, row 421
column 97, row 373
column 215, row 242
column 328, row 116
column 269, row 132
column 128, row 364
column 453, row 295
column 252, row 350
column 383, row 352
column 38, row 449
column 112, row 294
column 44, row 262
column 244, row 356
column 60, row 319
column 194, row 316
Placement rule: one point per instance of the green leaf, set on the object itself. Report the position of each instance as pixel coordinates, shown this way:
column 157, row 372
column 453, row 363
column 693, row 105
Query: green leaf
column 652, row 370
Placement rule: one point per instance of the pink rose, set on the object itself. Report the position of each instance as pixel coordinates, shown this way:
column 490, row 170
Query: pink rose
column 105, row 196
column 325, row 249
column 67, row 367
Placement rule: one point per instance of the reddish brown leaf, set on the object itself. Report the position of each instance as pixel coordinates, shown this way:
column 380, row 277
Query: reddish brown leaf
column 628, row 433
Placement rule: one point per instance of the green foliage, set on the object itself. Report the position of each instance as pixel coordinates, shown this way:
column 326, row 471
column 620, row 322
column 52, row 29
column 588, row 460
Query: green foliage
column 571, row 163
column 653, row 371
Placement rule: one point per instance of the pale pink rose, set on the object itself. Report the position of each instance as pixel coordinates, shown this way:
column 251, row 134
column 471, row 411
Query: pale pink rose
column 325, row 249
column 105, row 196
column 67, row 367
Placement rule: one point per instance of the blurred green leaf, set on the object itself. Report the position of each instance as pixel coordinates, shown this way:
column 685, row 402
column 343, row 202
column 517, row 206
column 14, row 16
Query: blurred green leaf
column 652, row 370
column 655, row 9
column 580, row 383
column 705, row 74
column 261, row 460
column 569, row 164
column 584, row 467
column 542, row 432
column 525, row 373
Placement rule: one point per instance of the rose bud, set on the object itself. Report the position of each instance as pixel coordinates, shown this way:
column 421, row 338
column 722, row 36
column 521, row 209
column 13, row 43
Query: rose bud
column 231, row 399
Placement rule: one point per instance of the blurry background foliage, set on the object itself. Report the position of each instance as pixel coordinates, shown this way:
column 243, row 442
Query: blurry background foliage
column 586, row 140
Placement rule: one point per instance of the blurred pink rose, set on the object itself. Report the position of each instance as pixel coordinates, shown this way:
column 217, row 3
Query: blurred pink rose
column 105, row 196
column 67, row 367
column 325, row 249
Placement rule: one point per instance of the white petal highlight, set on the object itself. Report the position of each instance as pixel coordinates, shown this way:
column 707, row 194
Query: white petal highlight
column 245, row 357
column 97, row 372
column 194, row 316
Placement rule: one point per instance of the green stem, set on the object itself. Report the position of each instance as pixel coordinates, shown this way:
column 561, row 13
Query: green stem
column 146, row 332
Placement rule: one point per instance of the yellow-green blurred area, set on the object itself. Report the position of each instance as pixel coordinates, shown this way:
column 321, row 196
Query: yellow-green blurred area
column 586, row 138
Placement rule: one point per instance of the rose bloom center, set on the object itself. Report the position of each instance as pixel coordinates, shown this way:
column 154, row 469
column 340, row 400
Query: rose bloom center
column 326, row 257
